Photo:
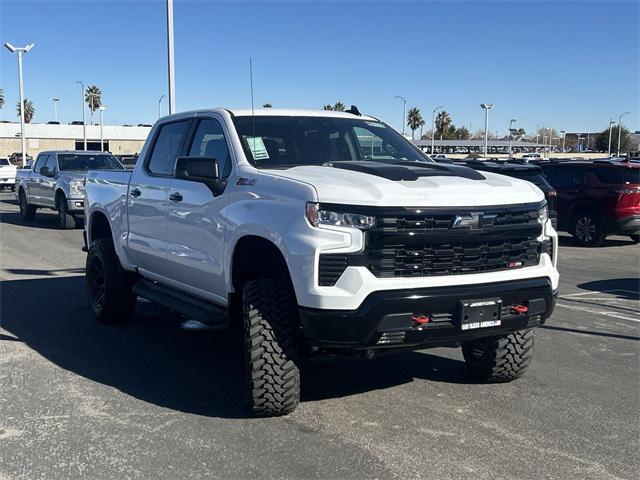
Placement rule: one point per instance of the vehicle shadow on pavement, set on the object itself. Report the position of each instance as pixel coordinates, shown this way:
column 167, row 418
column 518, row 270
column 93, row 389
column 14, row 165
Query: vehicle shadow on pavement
column 568, row 241
column 624, row 288
column 46, row 221
column 153, row 360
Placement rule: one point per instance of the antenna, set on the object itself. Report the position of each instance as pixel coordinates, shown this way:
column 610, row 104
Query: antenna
column 253, row 116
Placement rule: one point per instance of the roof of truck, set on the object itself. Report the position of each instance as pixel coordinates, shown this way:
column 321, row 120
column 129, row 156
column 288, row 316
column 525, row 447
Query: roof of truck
column 276, row 112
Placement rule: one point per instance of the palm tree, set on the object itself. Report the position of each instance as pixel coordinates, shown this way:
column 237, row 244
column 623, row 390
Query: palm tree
column 338, row 107
column 29, row 110
column 443, row 123
column 414, row 120
column 93, row 97
column 266, row 105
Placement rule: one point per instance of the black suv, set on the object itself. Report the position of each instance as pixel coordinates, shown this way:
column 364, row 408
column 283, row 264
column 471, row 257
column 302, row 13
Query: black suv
column 596, row 198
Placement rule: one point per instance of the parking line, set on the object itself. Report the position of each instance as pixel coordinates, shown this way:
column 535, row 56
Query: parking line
column 603, row 291
column 599, row 312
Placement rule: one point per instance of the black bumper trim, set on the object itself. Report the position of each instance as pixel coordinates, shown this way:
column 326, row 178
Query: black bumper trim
column 388, row 311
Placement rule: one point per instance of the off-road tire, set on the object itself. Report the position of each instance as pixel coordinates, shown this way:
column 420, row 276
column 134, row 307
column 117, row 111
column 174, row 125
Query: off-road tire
column 13, row 188
column 499, row 359
column 27, row 211
column 109, row 286
column 635, row 238
column 587, row 228
column 271, row 334
column 64, row 220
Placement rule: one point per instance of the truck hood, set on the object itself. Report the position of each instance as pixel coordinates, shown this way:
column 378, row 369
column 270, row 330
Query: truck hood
column 70, row 175
column 367, row 186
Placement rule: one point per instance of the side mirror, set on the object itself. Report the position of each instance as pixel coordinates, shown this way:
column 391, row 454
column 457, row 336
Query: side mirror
column 200, row 169
column 45, row 171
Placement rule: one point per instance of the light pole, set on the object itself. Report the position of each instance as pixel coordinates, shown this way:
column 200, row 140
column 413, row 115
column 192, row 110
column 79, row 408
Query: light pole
column 20, row 51
column 160, row 105
column 486, row 107
column 564, row 136
column 620, row 129
column 84, row 124
column 511, row 136
column 550, row 130
column 55, row 101
column 102, row 109
column 170, row 59
column 579, row 137
column 404, row 110
column 611, row 124
column 433, row 128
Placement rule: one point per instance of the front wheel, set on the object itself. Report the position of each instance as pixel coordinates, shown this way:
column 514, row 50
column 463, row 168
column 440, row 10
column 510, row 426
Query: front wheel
column 109, row 287
column 271, row 334
column 588, row 229
column 13, row 188
column 499, row 359
column 65, row 220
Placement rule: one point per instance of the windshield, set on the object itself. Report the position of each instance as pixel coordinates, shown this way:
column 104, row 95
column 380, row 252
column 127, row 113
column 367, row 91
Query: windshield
column 84, row 161
column 282, row 142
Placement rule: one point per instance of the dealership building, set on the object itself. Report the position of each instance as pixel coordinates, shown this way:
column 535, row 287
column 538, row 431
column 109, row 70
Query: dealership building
column 118, row 139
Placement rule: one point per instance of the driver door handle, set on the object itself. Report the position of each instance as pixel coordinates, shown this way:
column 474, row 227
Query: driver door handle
column 175, row 197
column 135, row 193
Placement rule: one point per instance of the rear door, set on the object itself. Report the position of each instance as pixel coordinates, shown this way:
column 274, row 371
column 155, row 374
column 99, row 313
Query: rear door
column 196, row 218
column 148, row 195
column 568, row 180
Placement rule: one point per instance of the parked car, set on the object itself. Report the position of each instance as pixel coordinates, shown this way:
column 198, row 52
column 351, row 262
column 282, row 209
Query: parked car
column 527, row 157
column 596, row 198
column 128, row 161
column 283, row 222
column 16, row 158
column 7, row 174
column 524, row 171
column 56, row 181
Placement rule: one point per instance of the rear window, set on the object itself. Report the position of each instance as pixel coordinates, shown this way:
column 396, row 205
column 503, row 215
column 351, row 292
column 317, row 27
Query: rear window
column 83, row 161
column 631, row 175
column 5, row 162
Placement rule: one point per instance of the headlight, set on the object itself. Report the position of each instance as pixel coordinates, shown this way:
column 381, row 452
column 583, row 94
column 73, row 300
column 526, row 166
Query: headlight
column 76, row 187
column 543, row 215
column 317, row 216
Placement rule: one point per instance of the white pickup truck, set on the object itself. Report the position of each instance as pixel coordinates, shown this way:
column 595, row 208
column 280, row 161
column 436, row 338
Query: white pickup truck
column 321, row 232
column 7, row 174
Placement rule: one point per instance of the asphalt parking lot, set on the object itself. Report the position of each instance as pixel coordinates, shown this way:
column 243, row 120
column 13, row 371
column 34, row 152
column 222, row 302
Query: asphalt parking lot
column 148, row 400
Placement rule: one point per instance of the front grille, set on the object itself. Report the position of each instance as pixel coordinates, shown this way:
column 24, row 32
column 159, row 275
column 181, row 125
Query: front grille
column 414, row 242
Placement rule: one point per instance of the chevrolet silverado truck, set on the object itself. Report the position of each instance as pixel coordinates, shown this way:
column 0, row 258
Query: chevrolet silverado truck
column 56, row 180
column 320, row 232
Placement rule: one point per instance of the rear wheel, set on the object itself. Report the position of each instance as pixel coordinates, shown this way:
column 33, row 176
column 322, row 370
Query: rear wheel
column 271, row 347
column 499, row 359
column 27, row 211
column 65, row 220
column 587, row 228
column 109, row 286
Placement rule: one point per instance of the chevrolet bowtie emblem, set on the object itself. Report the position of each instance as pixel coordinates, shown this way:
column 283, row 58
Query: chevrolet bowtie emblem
column 473, row 220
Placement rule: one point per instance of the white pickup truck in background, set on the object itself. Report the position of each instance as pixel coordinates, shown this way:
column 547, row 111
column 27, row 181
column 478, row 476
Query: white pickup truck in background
column 7, row 174
column 321, row 232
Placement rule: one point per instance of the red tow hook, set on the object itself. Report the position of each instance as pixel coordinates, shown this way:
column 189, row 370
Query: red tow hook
column 520, row 309
column 420, row 319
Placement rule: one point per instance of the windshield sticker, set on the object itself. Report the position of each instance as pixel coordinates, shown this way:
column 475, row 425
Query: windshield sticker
column 258, row 150
column 375, row 124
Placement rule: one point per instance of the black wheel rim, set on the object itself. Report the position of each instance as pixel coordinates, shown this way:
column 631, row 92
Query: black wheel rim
column 96, row 283
column 585, row 229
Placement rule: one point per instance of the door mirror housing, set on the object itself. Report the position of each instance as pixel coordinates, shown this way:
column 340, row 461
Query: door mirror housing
column 46, row 172
column 200, row 169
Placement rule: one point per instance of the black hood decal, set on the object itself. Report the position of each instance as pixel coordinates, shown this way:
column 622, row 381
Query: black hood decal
column 408, row 171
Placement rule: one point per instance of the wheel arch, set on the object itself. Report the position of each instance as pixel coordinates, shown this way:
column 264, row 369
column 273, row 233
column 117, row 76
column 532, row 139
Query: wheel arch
column 98, row 226
column 584, row 205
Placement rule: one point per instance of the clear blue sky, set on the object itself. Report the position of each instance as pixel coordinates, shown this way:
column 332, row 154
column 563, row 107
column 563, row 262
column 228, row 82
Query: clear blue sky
column 570, row 65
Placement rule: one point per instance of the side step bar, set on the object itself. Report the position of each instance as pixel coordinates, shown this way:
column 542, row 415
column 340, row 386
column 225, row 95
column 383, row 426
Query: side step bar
column 193, row 308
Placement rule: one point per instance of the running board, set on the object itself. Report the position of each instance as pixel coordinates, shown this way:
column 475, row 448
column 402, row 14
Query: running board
column 191, row 307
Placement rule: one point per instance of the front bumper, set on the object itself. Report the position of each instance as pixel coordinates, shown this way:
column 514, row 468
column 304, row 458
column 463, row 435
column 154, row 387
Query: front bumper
column 76, row 205
column 384, row 320
column 629, row 225
column 7, row 181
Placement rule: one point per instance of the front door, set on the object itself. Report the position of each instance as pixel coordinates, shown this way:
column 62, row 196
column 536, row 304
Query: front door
column 147, row 199
column 48, row 183
column 196, row 236
column 33, row 183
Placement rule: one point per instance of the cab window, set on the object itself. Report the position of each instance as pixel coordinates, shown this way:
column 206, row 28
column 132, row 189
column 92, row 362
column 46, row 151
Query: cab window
column 167, row 147
column 209, row 141
column 40, row 162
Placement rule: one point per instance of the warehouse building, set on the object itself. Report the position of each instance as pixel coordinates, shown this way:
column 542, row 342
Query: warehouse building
column 118, row 139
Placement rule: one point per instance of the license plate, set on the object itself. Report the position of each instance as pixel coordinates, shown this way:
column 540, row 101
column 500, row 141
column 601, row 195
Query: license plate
column 479, row 313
